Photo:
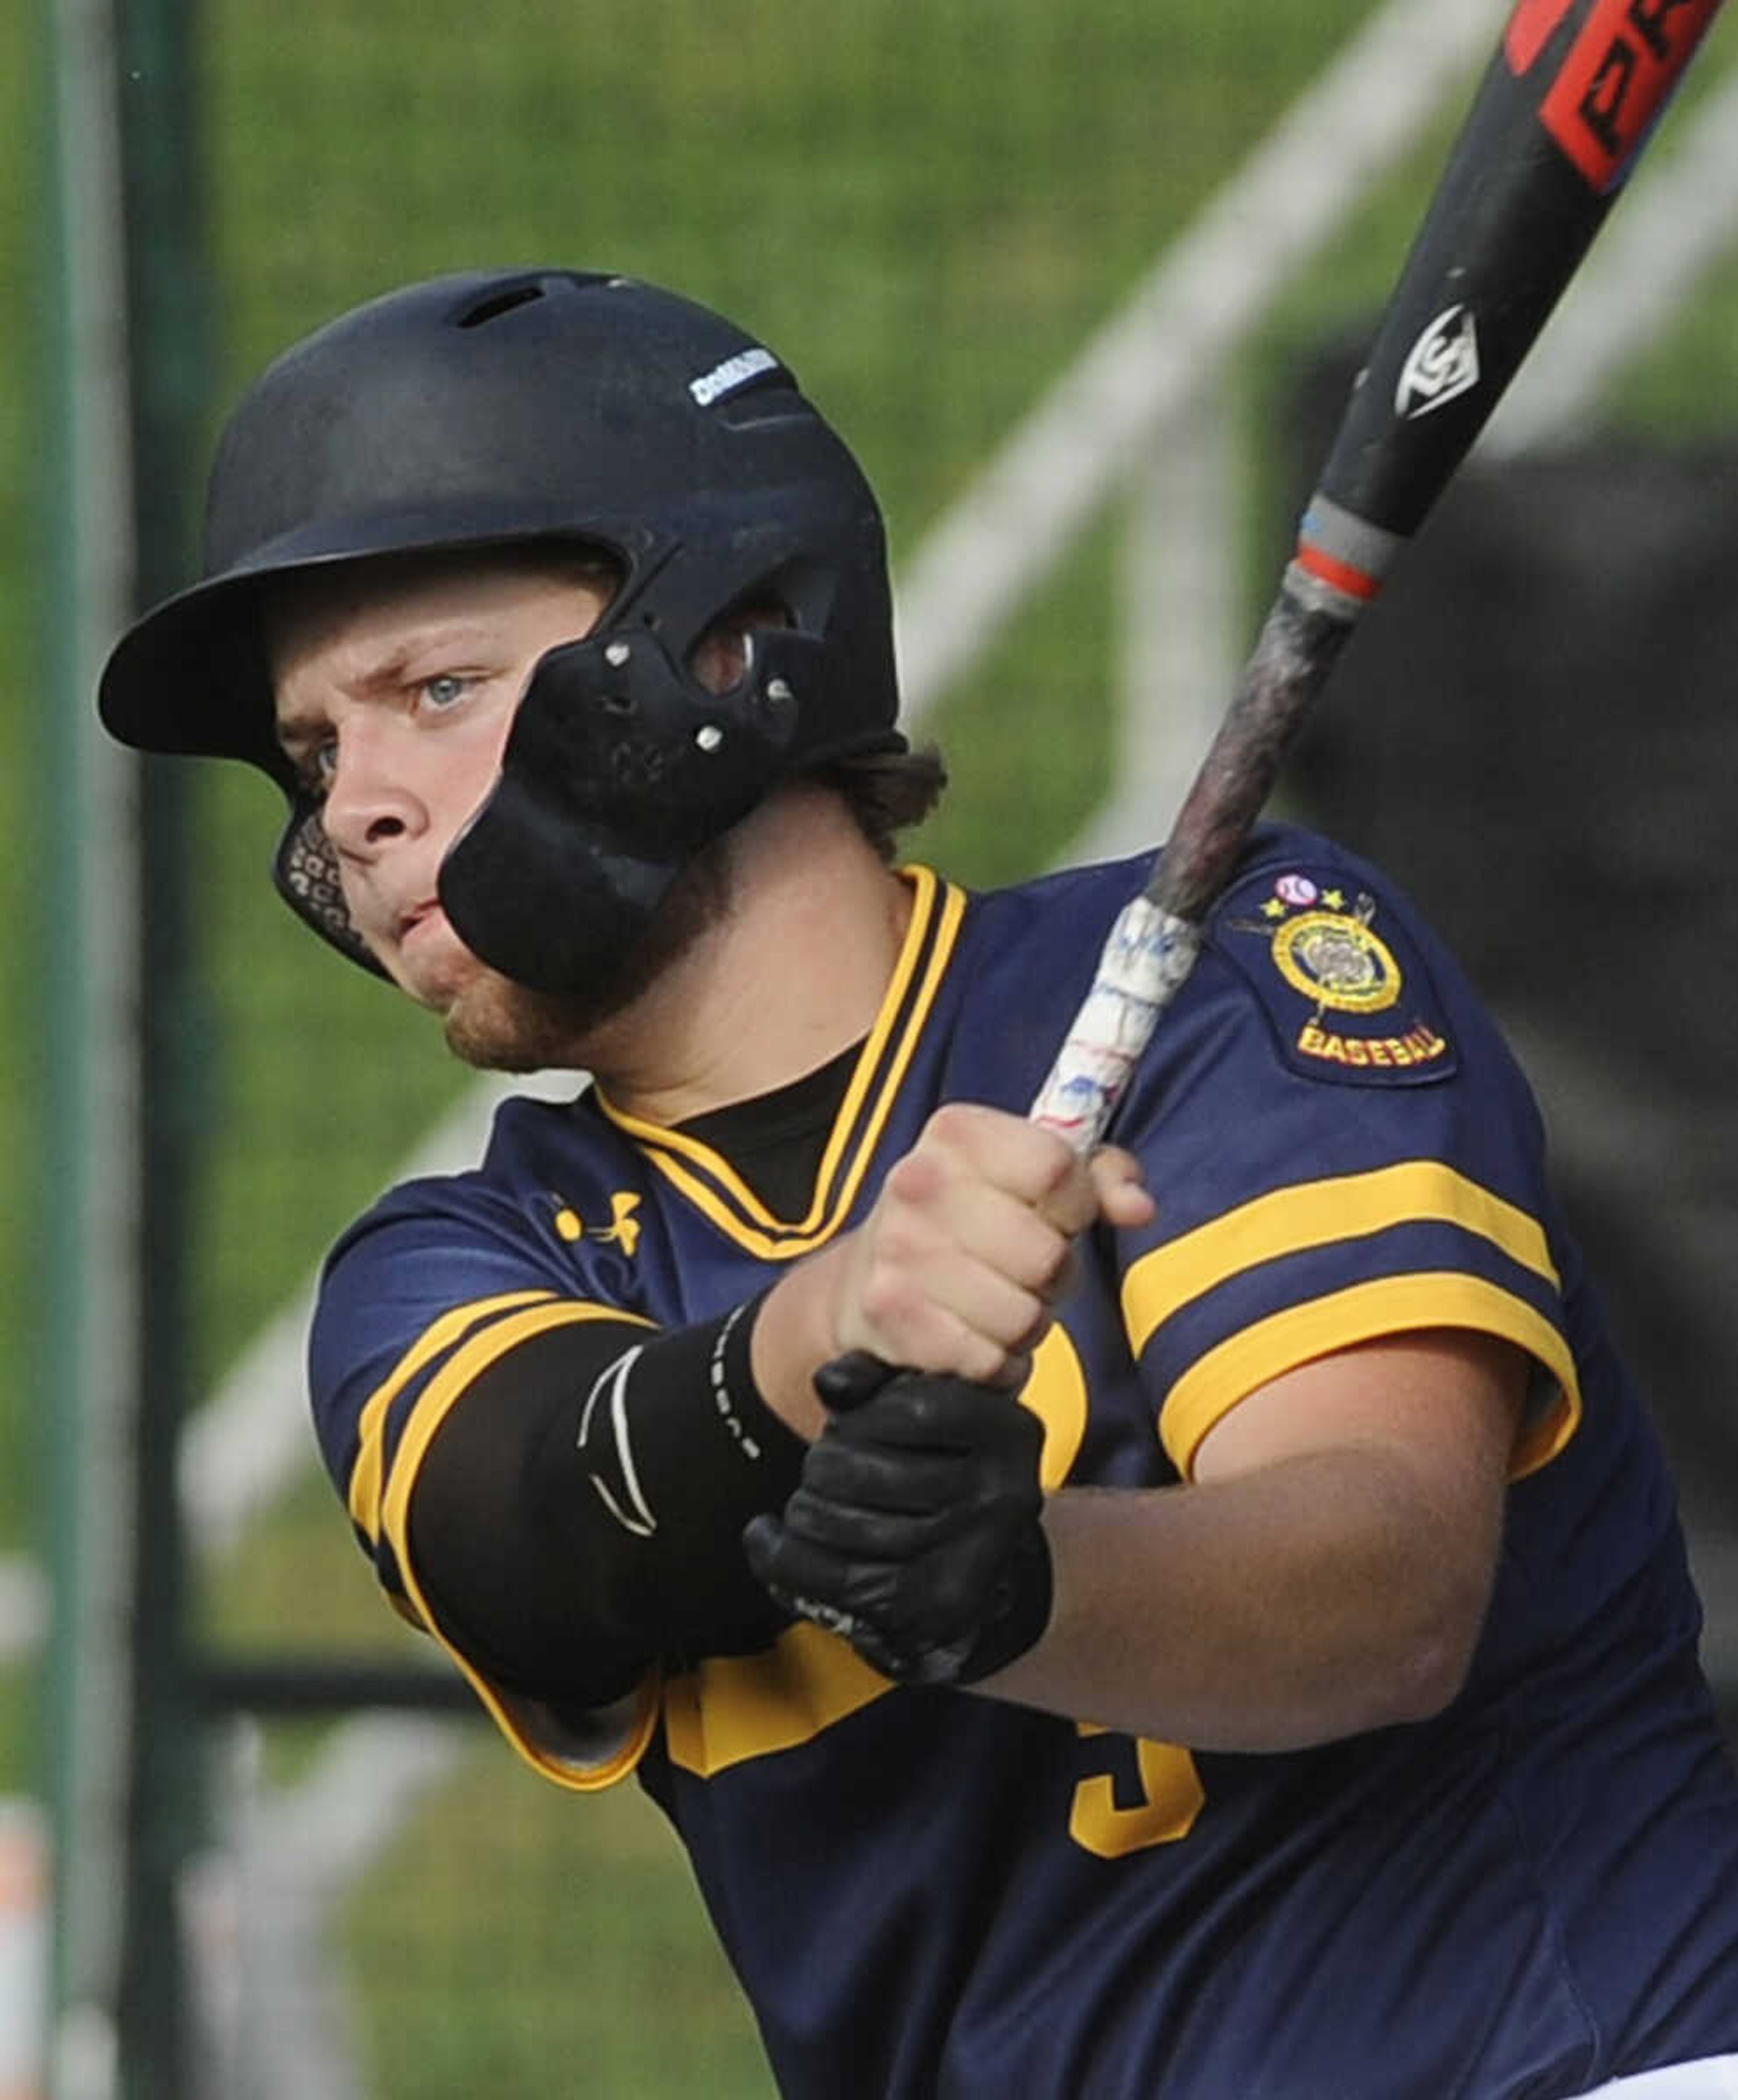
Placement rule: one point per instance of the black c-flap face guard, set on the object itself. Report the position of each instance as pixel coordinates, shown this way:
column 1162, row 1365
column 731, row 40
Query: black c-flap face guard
column 618, row 768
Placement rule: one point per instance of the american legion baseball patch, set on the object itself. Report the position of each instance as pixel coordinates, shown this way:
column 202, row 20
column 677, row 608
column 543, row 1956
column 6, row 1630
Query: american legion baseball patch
column 1343, row 982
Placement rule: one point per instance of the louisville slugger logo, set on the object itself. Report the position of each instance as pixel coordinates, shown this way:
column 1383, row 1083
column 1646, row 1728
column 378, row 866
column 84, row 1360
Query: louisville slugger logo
column 1441, row 366
column 1619, row 67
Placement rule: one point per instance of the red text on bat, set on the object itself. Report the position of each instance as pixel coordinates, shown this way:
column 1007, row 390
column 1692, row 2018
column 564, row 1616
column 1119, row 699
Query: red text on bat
column 1530, row 31
column 1618, row 72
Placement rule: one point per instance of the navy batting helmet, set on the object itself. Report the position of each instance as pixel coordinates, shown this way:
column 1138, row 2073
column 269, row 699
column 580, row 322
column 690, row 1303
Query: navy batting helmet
column 488, row 409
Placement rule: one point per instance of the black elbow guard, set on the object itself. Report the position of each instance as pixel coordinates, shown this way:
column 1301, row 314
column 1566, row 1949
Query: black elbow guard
column 674, row 1450
column 579, row 1515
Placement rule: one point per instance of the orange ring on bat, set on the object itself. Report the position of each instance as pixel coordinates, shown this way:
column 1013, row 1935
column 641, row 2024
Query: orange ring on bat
column 1355, row 582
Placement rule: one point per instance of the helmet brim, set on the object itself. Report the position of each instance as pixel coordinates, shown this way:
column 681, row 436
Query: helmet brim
column 171, row 681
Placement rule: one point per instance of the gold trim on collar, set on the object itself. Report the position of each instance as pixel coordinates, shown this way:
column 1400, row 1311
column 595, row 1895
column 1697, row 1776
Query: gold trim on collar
column 718, row 1192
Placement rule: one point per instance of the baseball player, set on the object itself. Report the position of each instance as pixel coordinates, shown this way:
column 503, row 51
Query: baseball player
column 1209, row 1620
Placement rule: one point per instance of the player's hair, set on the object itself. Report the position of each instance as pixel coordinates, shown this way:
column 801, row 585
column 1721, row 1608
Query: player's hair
column 887, row 792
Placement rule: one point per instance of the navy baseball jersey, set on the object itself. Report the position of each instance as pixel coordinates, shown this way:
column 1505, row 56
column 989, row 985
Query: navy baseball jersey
column 935, row 1892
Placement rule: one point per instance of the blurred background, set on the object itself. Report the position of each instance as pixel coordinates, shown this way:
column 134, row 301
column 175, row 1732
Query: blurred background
column 1085, row 287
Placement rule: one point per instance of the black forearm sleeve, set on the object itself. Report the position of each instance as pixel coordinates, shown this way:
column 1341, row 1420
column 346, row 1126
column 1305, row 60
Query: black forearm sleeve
column 579, row 1515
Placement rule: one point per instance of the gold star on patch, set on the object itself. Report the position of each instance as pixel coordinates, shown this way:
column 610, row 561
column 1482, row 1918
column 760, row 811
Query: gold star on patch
column 1273, row 909
column 1333, row 898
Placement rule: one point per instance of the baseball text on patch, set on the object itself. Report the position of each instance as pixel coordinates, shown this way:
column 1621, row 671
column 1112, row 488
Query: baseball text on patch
column 1344, row 986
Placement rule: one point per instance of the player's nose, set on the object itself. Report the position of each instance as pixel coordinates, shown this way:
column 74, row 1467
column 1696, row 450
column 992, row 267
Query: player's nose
column 372, row 797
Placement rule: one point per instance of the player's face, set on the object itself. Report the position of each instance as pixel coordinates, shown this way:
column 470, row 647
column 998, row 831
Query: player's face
column 395, row 691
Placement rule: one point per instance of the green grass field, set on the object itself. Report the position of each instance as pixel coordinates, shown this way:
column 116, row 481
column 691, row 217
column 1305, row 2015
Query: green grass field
column 927, row 209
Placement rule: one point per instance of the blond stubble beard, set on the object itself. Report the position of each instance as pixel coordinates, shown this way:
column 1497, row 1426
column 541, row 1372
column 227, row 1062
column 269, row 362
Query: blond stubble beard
column 498, row 1025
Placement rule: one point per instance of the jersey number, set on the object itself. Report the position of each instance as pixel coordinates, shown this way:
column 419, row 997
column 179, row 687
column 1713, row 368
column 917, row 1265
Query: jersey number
column 1142, row 1793
column 1146, row 1793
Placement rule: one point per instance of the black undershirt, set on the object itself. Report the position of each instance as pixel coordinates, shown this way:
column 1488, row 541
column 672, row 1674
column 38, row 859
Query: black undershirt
column 775, row 1142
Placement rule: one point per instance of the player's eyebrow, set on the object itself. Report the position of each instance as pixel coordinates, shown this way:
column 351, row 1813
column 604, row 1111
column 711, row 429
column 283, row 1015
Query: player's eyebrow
column 386, row 671
column 443, row 639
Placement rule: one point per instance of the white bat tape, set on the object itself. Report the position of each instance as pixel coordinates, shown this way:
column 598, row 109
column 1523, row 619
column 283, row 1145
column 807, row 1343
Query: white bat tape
column 1146, row 961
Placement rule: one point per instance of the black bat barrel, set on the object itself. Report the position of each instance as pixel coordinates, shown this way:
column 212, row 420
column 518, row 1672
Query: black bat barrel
column 1567, row 104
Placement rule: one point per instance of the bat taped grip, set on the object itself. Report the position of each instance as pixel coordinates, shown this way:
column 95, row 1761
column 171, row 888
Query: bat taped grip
column 1145, row 962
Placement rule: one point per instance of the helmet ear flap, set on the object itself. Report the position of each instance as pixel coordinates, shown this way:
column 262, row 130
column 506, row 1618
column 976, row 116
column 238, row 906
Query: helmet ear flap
column 305, row 874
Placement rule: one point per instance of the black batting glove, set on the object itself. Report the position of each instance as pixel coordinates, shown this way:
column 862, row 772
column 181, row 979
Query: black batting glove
column 914, row 1532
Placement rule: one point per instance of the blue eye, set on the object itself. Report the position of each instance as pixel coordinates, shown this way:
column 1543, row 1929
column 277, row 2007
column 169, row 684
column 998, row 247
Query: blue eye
column 444, row 690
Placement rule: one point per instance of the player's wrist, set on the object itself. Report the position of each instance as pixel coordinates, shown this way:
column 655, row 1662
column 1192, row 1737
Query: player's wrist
column 793, row 1334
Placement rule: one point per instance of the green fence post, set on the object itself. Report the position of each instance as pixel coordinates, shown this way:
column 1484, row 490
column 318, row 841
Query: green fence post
column 125, row 386
column 87, row 1134
column 167, row 296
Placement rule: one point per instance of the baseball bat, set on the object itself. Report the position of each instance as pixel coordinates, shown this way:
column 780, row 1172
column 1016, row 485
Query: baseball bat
column 1567, row 105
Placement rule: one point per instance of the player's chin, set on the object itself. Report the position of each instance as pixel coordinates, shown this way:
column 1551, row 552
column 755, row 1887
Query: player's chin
column 489, row 1021
column 436, row 981
column 501, row 1026
column 480, row 1011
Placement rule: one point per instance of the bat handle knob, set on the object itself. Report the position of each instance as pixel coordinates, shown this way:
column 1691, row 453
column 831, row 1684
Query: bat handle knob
column 849, row 1380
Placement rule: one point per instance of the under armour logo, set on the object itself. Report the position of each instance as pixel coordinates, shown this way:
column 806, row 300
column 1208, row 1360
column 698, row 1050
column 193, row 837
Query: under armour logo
column 622, row 1230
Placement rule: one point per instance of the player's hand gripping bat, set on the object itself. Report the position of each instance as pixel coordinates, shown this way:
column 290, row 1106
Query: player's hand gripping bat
column 1566, row 106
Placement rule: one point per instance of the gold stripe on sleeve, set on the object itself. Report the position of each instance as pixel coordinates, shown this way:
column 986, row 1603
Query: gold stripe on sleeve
column 1214, row 1383
column 530, row 1733
column 367, row 1475
column 1314, row 1214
